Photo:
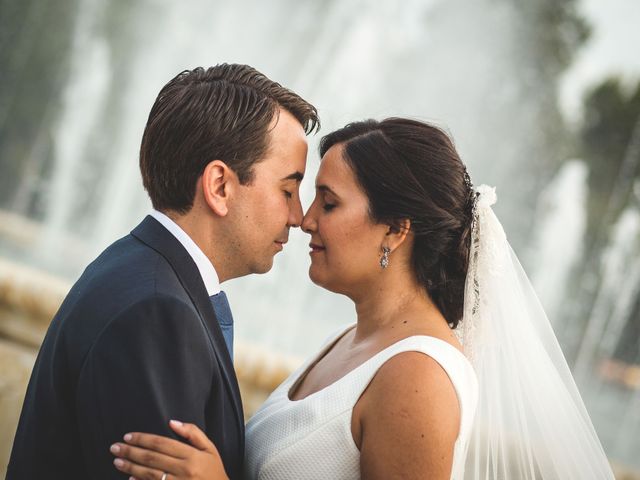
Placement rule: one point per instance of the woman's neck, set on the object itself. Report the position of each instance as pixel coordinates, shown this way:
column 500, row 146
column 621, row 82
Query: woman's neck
column 393, row 299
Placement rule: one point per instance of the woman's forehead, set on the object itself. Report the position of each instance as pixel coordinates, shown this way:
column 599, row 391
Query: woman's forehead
column 333, row 167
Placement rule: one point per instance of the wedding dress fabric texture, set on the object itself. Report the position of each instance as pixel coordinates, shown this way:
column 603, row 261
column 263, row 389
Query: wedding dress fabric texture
column 531, row 422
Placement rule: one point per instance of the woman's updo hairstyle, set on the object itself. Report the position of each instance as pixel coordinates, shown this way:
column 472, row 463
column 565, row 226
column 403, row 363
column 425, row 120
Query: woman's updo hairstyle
column 411, row 170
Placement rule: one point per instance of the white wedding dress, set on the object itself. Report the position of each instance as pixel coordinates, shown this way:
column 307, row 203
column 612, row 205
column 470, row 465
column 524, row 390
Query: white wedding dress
column 311, row 438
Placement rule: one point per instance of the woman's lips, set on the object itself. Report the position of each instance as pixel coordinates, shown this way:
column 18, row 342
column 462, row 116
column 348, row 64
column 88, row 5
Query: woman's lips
column 315, row 248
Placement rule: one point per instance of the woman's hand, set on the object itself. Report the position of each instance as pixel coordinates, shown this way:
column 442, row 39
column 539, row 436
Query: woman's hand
column 153, row 457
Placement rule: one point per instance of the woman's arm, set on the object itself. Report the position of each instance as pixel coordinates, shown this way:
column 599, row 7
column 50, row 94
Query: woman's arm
column 409, row 419
column 148, row 457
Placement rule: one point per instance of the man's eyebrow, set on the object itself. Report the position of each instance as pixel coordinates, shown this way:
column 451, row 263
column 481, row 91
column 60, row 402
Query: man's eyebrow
column 297, row 176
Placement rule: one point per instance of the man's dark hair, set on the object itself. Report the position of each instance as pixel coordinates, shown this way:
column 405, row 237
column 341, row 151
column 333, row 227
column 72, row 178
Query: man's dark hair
column 222, row 113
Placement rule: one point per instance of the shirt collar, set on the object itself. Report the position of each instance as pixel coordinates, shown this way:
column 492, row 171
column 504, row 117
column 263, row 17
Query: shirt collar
column 205, row 267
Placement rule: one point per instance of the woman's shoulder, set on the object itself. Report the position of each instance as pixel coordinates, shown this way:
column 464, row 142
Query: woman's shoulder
column 424, row 374
column 409, row 403
column 421, row 361
column 433, row 359
column 426, row 380
column 413, row 369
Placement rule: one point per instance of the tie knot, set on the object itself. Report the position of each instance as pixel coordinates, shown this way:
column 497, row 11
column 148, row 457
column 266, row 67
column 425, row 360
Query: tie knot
column 222, row 308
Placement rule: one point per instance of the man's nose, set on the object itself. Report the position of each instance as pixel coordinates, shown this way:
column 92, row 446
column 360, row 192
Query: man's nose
column 296, row 214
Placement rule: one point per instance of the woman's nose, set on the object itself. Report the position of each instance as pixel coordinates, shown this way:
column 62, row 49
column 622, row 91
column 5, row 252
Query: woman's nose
column 308, row 222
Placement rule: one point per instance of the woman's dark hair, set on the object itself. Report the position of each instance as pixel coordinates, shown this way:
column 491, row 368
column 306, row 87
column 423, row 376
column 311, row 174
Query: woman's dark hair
column 411, row 170
column 201, row 115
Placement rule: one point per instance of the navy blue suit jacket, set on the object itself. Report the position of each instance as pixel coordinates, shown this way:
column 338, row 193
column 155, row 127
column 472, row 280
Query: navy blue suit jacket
column 134, row 344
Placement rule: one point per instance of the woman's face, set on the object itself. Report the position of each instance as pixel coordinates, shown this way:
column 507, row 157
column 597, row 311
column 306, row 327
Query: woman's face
column 346, row 245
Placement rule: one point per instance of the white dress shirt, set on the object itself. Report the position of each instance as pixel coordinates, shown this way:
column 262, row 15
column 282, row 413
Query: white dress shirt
column 205, row 267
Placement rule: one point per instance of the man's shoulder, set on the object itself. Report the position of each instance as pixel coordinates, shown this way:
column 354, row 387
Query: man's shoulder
column 129, row 266
column 126, row 273
column 128, row 282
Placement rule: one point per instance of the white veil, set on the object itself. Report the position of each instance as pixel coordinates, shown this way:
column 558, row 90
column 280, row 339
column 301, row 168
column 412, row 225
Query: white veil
column 530, row 421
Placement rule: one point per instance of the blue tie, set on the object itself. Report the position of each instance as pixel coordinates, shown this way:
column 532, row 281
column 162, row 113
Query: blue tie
column 225, row 319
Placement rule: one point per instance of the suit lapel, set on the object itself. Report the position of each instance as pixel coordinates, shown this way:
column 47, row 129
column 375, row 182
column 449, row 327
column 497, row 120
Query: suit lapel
column 153, row 234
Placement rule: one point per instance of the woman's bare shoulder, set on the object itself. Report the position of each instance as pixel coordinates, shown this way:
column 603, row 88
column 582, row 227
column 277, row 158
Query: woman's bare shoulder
column 410, row 408
column 412, row 377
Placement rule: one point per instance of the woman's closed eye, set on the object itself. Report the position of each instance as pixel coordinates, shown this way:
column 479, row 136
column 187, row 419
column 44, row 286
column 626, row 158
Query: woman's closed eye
column 288, row 194
column 327, row 207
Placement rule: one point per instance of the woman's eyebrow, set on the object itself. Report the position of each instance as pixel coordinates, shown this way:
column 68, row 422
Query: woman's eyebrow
column 325, row 188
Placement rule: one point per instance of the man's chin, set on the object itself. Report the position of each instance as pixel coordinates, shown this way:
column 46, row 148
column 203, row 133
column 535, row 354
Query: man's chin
column 263, row 267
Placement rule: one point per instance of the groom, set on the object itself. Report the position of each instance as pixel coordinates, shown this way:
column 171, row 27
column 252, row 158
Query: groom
column 145, row 334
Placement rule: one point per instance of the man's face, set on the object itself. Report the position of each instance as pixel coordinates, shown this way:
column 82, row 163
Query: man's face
column 265, row 209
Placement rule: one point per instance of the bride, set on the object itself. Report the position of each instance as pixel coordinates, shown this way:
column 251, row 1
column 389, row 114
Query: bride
column 451, row 369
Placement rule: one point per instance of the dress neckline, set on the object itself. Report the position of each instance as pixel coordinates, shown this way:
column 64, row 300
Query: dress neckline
column 314, row 361
column 295, row 382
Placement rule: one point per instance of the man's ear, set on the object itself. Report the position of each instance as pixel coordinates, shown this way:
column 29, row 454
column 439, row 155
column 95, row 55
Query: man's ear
column 397, row 234
column 218, row 184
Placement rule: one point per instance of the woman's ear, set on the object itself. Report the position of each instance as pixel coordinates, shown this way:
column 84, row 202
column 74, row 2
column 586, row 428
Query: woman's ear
column 397, row 234
column 218, row 185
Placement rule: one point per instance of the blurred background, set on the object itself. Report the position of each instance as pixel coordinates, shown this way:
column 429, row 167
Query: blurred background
column 541, row 96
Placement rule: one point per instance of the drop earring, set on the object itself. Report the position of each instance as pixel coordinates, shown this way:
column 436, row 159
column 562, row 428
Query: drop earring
column 384, row 261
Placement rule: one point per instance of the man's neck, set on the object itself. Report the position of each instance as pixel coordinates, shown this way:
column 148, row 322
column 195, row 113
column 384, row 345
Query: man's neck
column 194, row 247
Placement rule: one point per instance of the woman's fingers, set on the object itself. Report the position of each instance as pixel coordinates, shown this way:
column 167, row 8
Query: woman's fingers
column 147, row 458
column 140, row 472
column 143, row 459
column 168, row 446
column 196, row 437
